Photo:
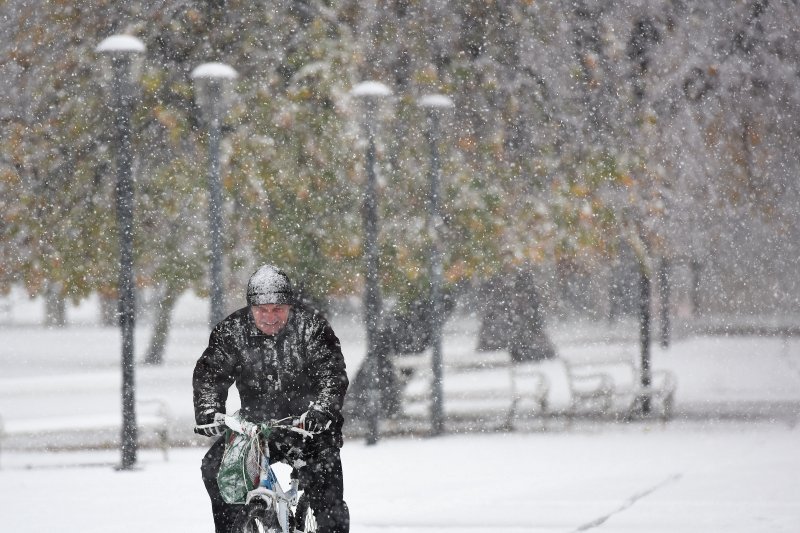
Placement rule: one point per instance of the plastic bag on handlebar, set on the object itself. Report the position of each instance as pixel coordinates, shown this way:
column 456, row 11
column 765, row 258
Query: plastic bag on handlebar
column 239, row 470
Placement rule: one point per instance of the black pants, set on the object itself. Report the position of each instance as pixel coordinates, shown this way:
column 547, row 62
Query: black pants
column 320, row 478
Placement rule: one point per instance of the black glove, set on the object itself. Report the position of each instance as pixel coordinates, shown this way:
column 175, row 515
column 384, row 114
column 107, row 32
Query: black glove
column 207, row 426
column 316, row 420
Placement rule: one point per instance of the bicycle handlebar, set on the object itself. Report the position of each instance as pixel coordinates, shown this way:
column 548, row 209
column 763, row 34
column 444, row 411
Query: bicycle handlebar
column 249, row 428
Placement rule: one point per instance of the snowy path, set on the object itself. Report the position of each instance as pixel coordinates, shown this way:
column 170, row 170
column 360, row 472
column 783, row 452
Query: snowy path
column 680, row 478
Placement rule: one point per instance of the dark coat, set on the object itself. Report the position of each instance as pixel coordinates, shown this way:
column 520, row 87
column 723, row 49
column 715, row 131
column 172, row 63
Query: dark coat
column 276, row 376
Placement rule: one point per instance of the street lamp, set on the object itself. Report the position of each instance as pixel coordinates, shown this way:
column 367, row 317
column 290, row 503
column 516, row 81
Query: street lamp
column 371, row 92
column 212, row 81
column 645, row 377
column 664, row 295
column 122, row 49
column 435, row 105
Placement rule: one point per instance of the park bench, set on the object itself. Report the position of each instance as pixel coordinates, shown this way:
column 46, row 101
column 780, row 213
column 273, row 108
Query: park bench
column 590, row 389
column 660, row 393
column 87, row 430
column 480, row 384
column 611, row 386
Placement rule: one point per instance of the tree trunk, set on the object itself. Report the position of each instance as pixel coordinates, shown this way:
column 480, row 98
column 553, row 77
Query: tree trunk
column 55, row 307
column 158, row 340
column 696, row 267
column 108, row 309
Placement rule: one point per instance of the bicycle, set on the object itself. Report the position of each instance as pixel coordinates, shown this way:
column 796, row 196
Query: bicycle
column 268, row 508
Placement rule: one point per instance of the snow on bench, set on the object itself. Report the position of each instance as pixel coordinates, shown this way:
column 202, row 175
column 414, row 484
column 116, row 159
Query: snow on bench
column 586, row 380
column 84, row 430
column 611, row 385
column 474, row 385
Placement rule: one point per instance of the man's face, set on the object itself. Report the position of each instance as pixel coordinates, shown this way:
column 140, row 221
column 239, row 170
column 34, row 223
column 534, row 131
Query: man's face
column 270, row 318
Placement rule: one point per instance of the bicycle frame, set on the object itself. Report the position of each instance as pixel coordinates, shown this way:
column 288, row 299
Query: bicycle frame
column 270, row 491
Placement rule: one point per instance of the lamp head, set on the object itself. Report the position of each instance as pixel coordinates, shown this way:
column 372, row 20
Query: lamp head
column 212, row 82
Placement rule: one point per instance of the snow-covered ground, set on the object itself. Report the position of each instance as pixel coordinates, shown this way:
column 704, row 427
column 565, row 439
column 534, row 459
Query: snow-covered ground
column 681, row 478
column 698, row 472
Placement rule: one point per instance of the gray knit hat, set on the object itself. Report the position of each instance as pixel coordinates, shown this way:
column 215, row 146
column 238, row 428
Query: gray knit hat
column 269, row 285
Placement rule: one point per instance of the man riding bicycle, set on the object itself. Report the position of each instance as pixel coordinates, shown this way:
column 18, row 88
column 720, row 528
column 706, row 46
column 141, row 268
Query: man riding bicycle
column 284, row 359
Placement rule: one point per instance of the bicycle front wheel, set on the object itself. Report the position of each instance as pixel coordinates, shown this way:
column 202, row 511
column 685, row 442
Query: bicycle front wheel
column 257, row 517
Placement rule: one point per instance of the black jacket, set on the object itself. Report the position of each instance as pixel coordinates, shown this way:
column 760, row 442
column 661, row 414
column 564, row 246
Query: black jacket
column 276, row 376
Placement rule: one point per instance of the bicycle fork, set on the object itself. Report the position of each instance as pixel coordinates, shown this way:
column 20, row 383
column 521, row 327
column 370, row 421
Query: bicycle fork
column 270, row 491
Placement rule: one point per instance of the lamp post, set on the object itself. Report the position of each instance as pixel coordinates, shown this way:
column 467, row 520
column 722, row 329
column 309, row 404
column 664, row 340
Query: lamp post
column 434, row 105
column 371, row 92
column 211, row 84
column 645, row 376
column 122, row 49
column 664, row 295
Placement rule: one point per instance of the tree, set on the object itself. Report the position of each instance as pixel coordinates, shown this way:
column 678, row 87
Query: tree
column 577, row 126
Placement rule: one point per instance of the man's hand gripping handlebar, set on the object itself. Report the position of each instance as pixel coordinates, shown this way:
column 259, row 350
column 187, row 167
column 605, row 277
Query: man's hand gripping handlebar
column 222, row 421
